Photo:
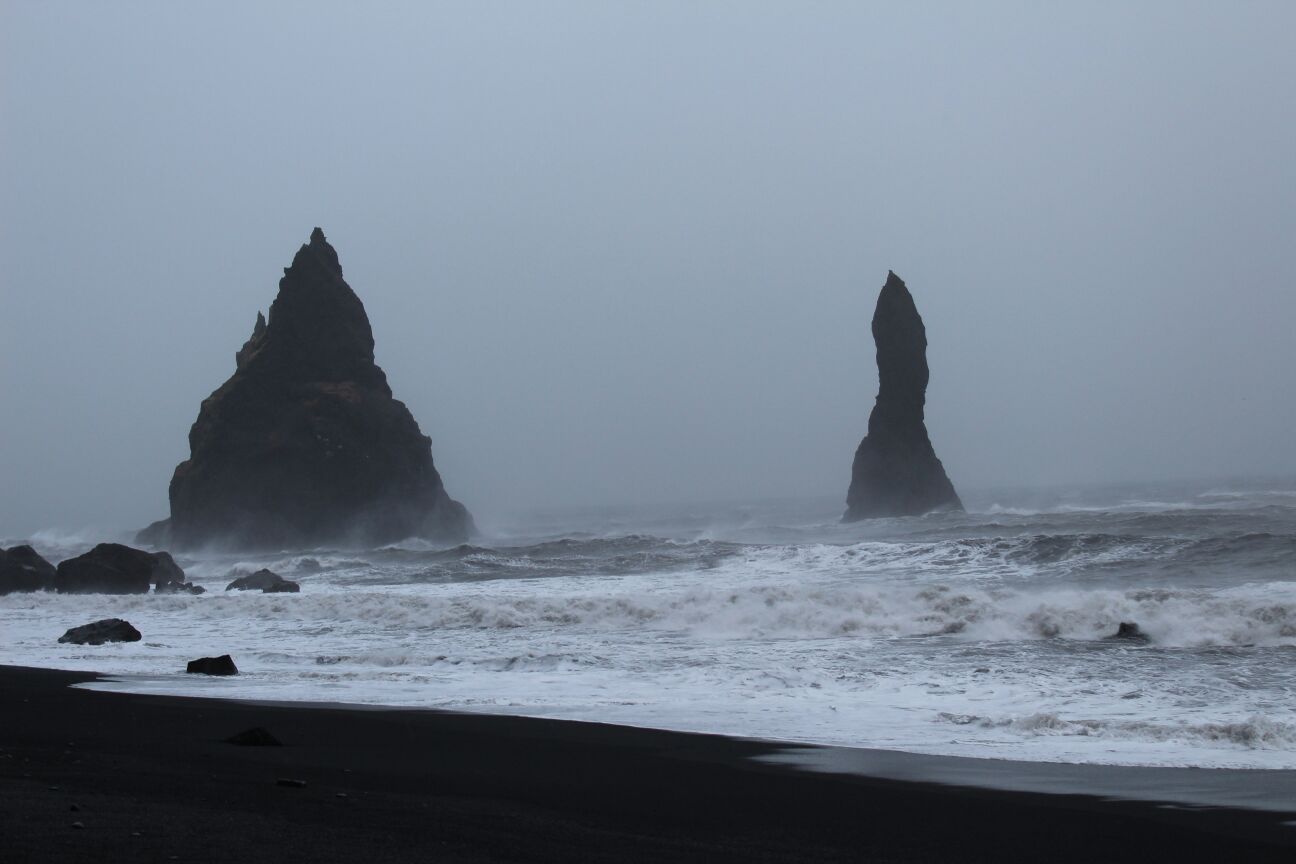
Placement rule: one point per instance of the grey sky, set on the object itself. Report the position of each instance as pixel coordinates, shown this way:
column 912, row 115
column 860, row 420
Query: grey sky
column 619, row 252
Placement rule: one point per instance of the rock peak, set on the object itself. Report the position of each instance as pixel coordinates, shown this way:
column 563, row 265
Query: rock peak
column 304, row 444
column 253, row 343
column 896, row 472
column 317, row 325
column 320, row 251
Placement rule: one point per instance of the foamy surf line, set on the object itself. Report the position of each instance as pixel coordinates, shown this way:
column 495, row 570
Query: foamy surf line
column 979, row 635
column 936, row 669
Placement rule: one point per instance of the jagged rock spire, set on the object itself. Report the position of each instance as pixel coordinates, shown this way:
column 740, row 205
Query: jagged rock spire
column 896, row 472
column 304, row 444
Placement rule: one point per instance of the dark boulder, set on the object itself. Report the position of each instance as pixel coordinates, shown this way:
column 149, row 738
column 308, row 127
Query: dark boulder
column 111, row 568
column 265, row 581
column 167, row 572
column 23, row 569
column 304, row 444
column 222, row 665
column 99, row 632
column 896, row 472
column 170, row 579
column 1129, row 632
column 254, row 737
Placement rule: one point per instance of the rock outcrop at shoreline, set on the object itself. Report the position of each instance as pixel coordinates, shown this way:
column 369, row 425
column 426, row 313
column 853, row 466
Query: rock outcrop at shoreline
column 22, row 569
column 265, row 581
column 304, row 444
column 99, row 632
column 111, row 568
column 222, row 665
column 896, row 472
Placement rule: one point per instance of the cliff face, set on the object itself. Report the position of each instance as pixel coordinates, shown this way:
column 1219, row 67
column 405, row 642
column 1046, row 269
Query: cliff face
column 304, row 444
column 896, row 472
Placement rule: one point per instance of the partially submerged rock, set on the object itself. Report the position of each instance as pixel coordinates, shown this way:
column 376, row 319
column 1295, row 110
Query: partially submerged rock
column 1129, row 631
column 111, row 568
column 180, row 588
column 99, row 632
column 266, row 581
column 22, row 569
column 222, row 665
column 896, row 472
column 304, row 444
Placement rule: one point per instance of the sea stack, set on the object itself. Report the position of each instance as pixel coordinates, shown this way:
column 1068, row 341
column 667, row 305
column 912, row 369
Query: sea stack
column 896, row 472
column 304, row 444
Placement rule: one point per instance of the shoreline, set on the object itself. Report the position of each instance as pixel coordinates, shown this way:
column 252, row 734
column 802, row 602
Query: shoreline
column 152, row 777
column 1249, row 788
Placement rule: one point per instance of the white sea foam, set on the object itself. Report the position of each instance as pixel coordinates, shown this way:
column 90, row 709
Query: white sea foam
column 1254, row 733
column 955, row 634
column 830, row 659
column 1256, row 616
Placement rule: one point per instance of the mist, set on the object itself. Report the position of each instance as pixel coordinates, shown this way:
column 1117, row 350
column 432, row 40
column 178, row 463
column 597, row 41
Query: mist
column 628, row 253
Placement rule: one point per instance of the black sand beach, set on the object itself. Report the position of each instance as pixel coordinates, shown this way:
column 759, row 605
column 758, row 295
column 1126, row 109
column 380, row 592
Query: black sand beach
column 95, row 776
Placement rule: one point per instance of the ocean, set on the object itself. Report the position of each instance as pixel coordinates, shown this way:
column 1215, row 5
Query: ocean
column 981, row 634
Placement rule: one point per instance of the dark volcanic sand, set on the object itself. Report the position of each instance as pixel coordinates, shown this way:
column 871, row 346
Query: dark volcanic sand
column 153, row 781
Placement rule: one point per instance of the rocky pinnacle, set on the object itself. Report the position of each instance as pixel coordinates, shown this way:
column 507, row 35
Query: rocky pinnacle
column 896, row 472
column 304, row 444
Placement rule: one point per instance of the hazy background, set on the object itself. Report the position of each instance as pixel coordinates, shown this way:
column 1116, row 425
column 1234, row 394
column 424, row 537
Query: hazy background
column 628, row 252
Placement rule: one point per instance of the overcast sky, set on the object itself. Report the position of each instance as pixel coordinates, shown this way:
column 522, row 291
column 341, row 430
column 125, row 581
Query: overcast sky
column 628, row 252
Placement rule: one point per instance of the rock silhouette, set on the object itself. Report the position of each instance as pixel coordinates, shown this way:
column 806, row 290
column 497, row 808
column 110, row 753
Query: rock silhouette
column 265, row 581
column 22, row 569
column 111, row 568
column 896, row 472
column 1129, row 631
column 222, row 665
column 304, row 444
column 99, row 632
column 257, row 736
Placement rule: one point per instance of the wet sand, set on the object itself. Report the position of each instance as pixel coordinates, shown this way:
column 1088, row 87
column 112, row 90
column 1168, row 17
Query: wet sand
column 149, row 778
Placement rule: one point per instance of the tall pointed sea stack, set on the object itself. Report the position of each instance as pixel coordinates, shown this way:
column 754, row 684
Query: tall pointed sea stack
column 304, row 444
column 896, row 472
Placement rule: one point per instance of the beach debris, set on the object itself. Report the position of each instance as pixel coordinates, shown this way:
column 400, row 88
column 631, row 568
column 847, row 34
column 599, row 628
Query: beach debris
column 265, row 581
column 305, row 443
column 23, row 570
column 290, row 782
column 111, row 568
column 257, row 736
column 896, row 471
column 222, row 665
column 1129, row 631
column 99, row 632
